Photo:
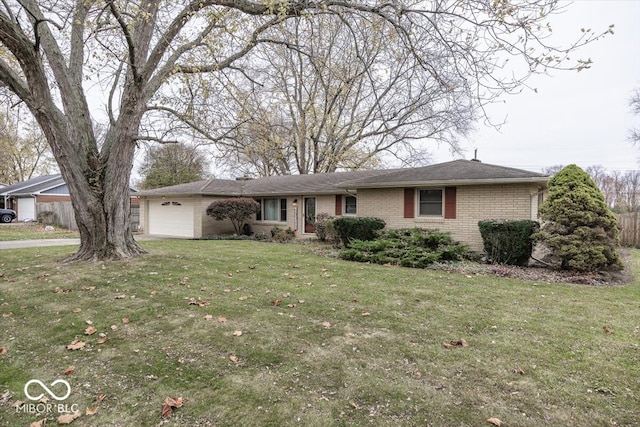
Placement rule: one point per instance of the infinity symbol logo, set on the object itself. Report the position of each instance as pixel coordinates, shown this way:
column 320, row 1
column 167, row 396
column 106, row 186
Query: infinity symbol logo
column 45, row 388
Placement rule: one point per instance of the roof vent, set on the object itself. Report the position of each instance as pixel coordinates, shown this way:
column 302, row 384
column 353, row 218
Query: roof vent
column 475, row 156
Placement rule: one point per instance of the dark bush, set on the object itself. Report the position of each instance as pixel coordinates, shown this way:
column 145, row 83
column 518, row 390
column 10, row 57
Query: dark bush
column 415, row 247
column 508, row 242
column 357, row 228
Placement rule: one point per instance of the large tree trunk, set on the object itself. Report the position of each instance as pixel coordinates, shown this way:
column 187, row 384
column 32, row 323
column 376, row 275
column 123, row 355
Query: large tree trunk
column 100, row 195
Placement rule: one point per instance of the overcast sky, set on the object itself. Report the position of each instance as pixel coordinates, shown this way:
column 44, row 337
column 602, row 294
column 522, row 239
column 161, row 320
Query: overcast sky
column 582, row 118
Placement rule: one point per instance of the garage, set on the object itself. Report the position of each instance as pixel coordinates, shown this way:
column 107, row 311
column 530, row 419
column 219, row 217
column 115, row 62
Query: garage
column 26, row 209
column 171, row 217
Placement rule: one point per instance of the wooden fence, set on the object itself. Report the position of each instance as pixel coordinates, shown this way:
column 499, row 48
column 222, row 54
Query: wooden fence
column 61, row 213
column 629, row 224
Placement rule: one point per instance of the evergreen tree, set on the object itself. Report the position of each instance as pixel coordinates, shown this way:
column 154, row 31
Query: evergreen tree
column 579, row 228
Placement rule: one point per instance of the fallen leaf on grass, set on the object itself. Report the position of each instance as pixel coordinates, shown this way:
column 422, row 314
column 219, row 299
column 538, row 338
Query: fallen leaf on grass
column 119, row 297
column 243, row 298
column 77, row 310
column 455, row 343
column 208, row 317
column 102, row 340
column 193, row 301
column 3, row 350
column 234, row 358
column 87, row 288
column 68, row 418
column 495, row 421
column 518, row 370
column 90, row 330
column 59, row 290
column 39, row 423
column 7, row 314
column 70, row 370
column 237, row 333
column 326, row 325
column 222, row 319
column 125, row 320
column 365, row 314
column 607, row 330
column 170, row 403
column 101, row 397
column 91, row 411
column 75, row 345
column 276, row 302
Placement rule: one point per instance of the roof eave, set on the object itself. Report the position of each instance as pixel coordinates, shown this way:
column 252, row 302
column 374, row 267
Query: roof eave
column 452, row 182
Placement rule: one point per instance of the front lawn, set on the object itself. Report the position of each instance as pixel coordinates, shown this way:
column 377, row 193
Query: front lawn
column 261, row 334
column 33, row 230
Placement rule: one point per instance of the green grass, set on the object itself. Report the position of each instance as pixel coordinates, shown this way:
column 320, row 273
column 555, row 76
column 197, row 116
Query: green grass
column 31, row 231
column 324, row 342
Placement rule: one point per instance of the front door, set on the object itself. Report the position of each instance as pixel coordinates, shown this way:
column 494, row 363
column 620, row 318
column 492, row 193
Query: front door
column 309, row 214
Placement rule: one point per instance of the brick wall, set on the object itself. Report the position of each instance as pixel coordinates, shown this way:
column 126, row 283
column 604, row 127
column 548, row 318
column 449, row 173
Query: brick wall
column 473, row 203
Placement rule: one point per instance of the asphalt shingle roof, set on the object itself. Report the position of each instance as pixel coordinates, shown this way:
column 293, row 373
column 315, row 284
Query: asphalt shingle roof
column 34, row 185
column 454, row 172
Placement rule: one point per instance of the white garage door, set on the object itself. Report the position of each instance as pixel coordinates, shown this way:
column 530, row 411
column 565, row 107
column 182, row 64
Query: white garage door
column 171, row 218
column 26, row 209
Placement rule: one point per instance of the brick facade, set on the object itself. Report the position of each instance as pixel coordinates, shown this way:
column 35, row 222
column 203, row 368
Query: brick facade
column 473, row 203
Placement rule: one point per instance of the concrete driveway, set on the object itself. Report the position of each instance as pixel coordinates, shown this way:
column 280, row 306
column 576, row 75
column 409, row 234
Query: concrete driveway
column 36, row 243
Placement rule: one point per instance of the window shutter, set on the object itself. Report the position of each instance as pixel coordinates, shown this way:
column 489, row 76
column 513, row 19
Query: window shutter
column 409, row 203
column 450, row 202
column 338, row 204
column 259, row 213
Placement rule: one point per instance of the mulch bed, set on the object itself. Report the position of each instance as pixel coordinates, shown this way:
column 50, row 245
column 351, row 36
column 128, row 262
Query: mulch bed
column 547, row 275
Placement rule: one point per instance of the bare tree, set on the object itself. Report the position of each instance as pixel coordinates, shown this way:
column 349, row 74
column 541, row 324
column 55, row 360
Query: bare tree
column 634, row 102
column 24, row 151
column 157, row 60
column 343, row 97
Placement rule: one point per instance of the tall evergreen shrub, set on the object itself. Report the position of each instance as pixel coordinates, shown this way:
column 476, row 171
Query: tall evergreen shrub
column 579, row 227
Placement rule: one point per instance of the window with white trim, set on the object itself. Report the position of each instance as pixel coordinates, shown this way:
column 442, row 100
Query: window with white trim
column 430, row 202
column 350, row 205
column 272, row 210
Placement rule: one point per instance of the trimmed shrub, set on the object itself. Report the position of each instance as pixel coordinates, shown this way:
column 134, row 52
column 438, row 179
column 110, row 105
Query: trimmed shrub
column 414, row 247
column 236, row 209
column 580, row 229
column 508, row 242
column 357, row 228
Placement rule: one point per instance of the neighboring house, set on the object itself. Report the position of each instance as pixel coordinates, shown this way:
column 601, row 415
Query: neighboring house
column 23, row 196
column 451, row 196
column 46, row 193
